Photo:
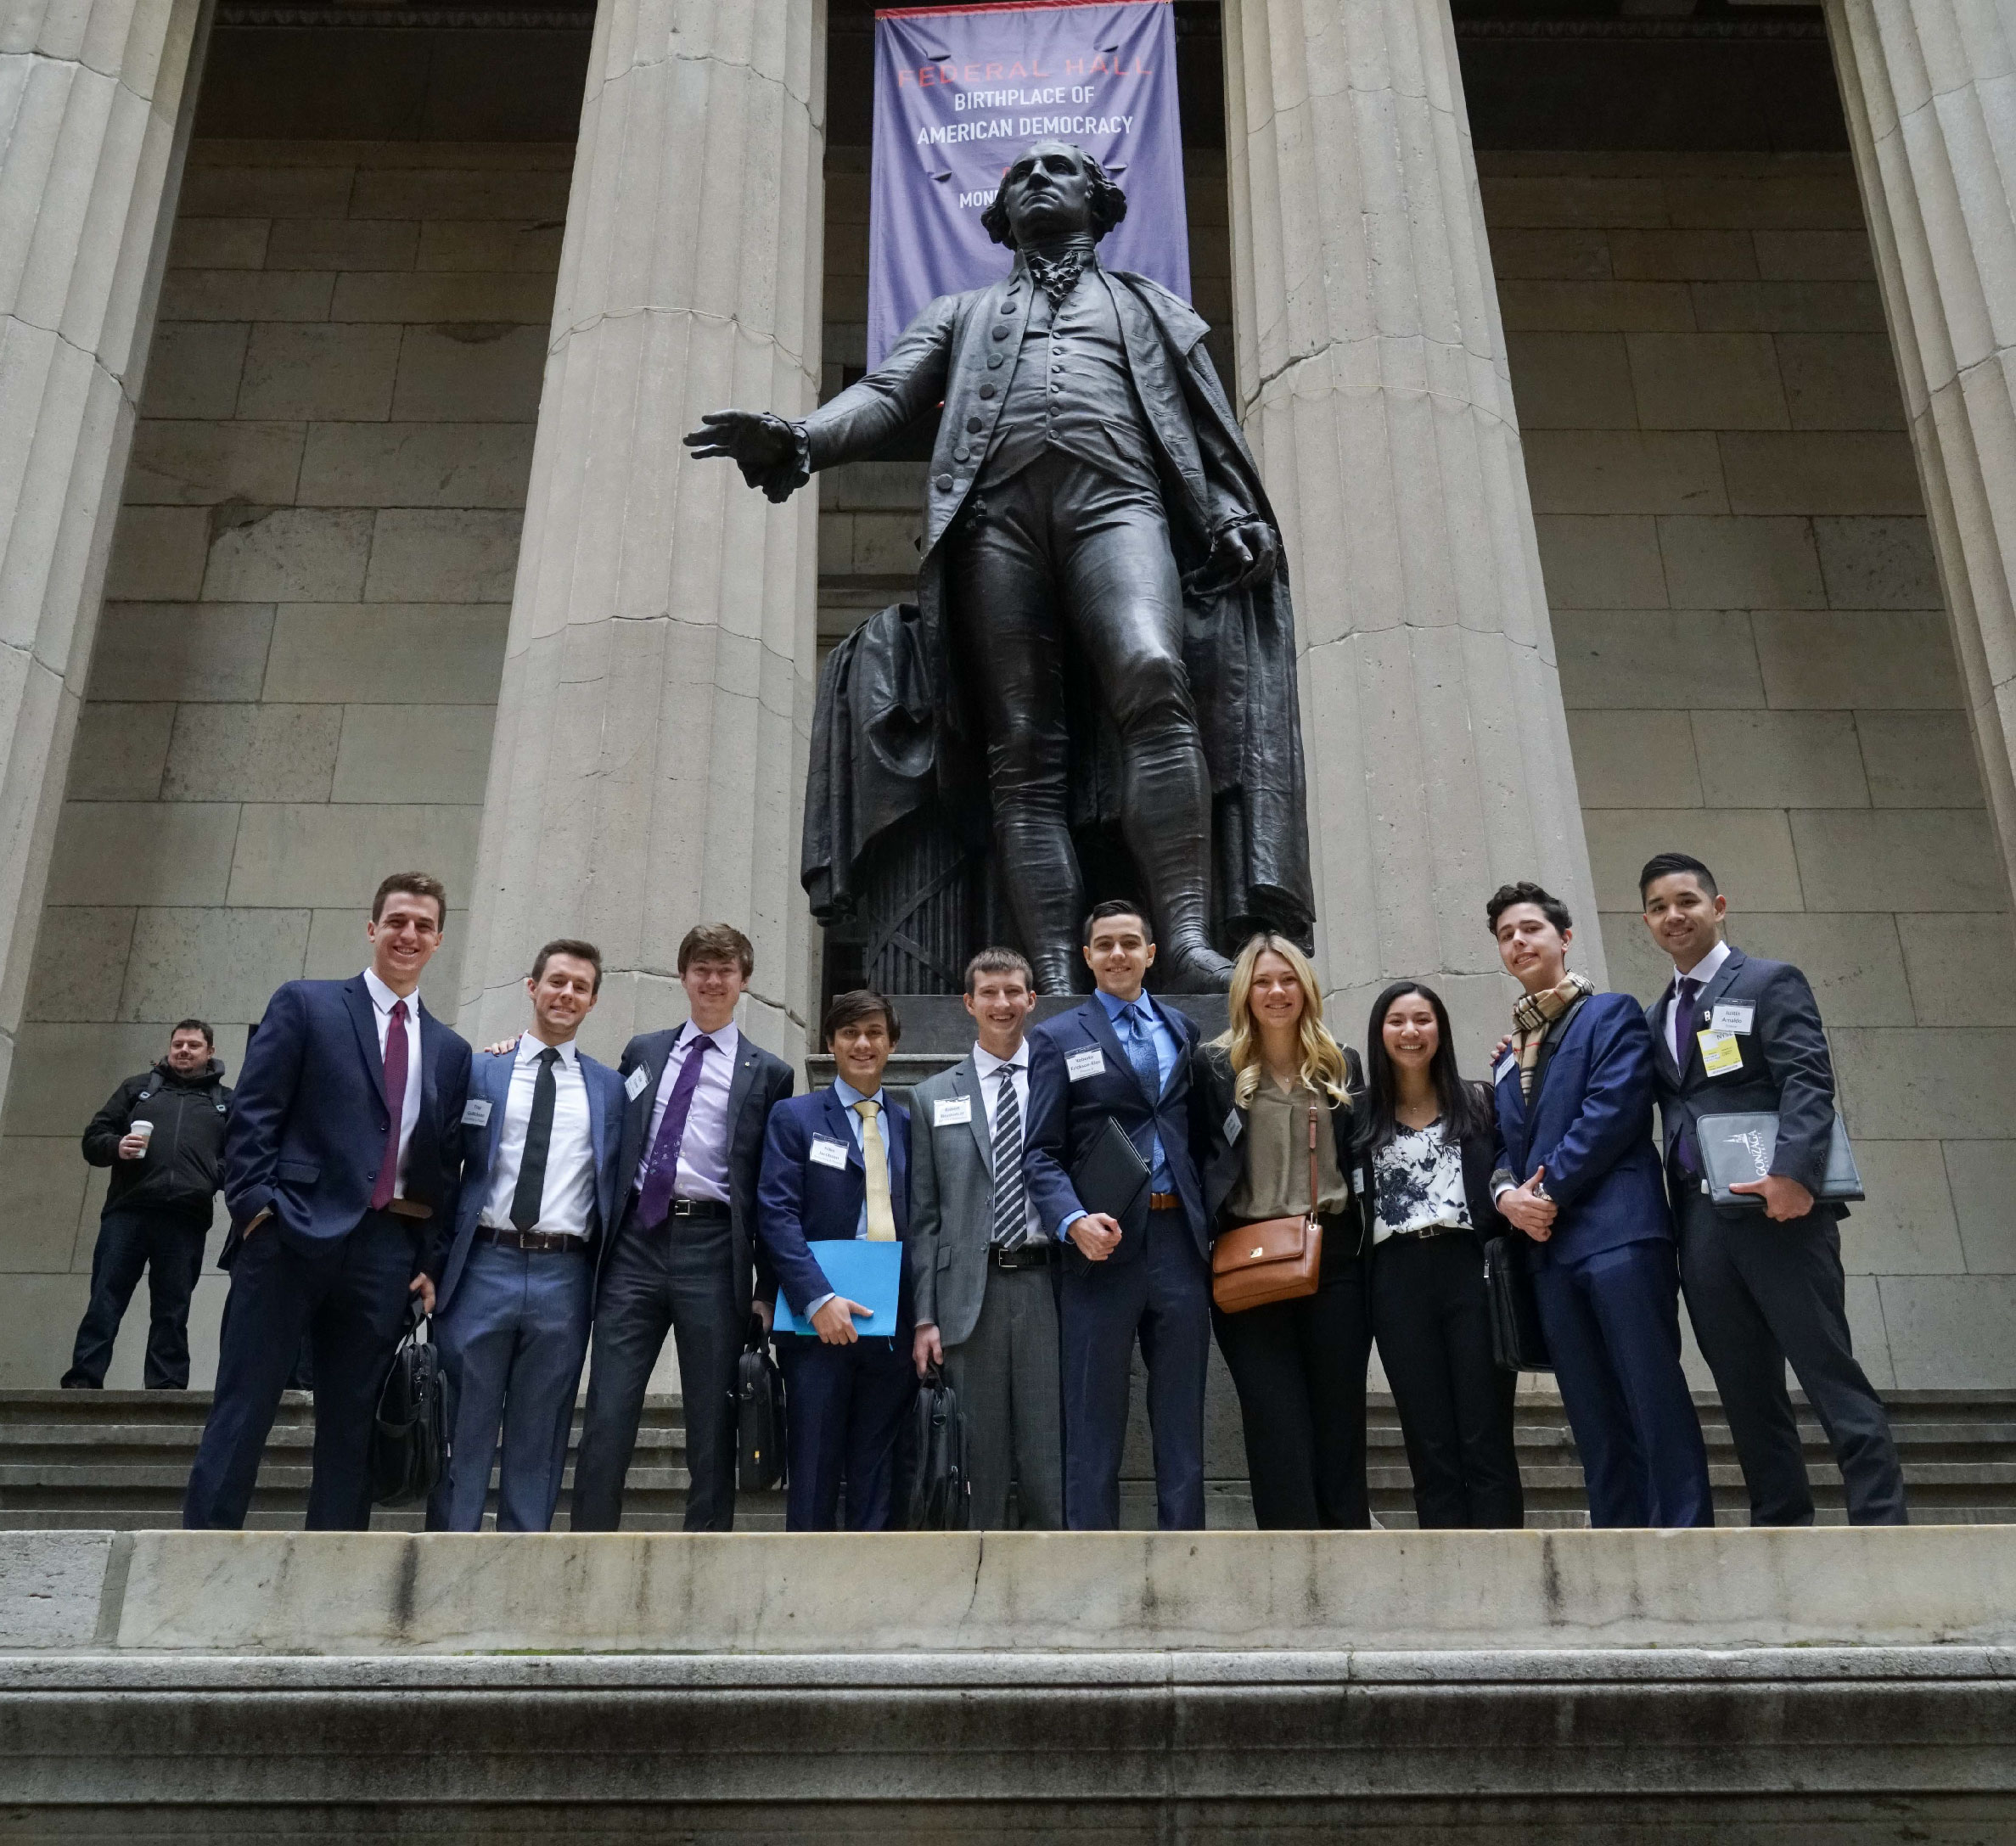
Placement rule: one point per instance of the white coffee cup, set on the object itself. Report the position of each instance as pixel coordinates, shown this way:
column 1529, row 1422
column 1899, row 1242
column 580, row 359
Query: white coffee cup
column 144, row 1131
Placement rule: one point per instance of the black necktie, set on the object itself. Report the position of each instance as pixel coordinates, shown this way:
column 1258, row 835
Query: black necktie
column 531, row 1169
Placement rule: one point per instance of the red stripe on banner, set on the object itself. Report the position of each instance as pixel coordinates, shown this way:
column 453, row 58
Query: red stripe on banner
column 1006, row 6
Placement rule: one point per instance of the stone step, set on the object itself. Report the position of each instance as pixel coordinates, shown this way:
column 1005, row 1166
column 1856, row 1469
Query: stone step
column 74, row 1459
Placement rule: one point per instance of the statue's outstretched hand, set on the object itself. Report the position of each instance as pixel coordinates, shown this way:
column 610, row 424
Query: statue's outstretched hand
column 763, row 447
column 1242, row 556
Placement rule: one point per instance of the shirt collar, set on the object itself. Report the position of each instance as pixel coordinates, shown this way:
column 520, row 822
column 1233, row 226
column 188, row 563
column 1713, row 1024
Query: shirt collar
column 384, row 999
column 530, row 1044
column 1706, row 969
column 849, row 1096
column 1116, row 1007
column 726, row 1038
column 987, row 1064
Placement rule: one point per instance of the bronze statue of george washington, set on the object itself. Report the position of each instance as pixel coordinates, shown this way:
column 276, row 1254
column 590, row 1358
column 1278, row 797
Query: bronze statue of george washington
column 1093, row 522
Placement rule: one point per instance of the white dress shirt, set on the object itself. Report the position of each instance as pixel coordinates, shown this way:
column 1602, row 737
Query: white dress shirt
column 567, row 1203
column 382, row 1000
column 989, row 1068
column 1703, row 971
column 703, row 1148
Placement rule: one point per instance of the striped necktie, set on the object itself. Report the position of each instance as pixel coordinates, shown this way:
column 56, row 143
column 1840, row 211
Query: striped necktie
column 1011, row 1191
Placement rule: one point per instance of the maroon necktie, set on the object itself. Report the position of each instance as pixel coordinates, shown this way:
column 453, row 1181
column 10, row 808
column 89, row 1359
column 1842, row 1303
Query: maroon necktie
column 387, row 1168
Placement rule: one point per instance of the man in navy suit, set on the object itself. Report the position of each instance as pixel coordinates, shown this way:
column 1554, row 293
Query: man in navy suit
column 542, row 1129
column 1735, row 1035
column 678, row 1254
column 1122, row 1057
column 836, row 1167
column 1573, row 1091
column 342, row 1166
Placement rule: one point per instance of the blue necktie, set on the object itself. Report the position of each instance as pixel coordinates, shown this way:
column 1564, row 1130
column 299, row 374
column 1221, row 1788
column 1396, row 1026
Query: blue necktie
column 1141, row 1053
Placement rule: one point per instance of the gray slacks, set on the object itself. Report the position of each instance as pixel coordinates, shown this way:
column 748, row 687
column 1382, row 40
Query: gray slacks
column 1006, row 1375
column 1761, row 1295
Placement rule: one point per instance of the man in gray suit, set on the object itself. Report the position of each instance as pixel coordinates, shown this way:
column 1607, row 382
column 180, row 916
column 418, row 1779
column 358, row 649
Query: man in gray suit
column 982, row 1290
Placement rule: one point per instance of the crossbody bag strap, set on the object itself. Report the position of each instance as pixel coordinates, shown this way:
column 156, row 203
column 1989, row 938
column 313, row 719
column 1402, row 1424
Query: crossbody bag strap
column 1314, row 1196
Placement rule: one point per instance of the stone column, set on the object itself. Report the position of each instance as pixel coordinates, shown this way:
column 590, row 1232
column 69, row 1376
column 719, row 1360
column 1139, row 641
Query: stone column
column 650, row 746
column 92, row 128
column 1372, row 383
column 1929, row 87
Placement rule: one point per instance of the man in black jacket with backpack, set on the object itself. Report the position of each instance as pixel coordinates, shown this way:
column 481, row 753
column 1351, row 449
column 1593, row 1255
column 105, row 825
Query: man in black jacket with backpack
column 162, row 1133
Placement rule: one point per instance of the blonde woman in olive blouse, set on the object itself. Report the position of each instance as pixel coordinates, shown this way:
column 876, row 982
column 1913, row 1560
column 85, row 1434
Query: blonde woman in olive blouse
column 1299, row 1365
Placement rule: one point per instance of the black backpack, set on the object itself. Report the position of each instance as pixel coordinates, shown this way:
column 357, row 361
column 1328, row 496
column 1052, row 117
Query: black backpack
column 409, row 1436
column 759, row 1416
column 940, row 1490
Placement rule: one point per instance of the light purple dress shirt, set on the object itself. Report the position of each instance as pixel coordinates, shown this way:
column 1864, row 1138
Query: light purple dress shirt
column 703, row 1148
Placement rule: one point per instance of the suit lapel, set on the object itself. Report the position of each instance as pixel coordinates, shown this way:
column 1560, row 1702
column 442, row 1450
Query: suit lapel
column 743, row 1081
column 1704, row 1003
column 966, row 1079
column 1662, row 1037
column 838, row 1117
column 1725, row 975
column 356, row 996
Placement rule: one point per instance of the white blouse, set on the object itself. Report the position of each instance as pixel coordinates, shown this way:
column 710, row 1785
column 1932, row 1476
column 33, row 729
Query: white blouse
column 1418, row 1182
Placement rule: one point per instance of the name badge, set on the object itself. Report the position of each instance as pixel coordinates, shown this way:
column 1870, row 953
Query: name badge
column 636, row 1082
column 1720, row 1051
column 950, row 1111
column 476, row 1113
column 828, row 1153
column 1233, row 1126
column 1734, row 1016
column 1089, row 1062
column 1508, row 1066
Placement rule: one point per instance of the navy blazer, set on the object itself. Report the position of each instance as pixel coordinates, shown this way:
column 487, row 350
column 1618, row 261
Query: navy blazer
column 1064, row 1116
column 761, row 1081
column 309, row 1118
column 1785, row 1068
column 490, row 1080
column 801, row 1201
column 1589, row 1123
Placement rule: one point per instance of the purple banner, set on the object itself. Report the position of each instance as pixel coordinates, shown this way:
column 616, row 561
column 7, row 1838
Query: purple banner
column 961, row 90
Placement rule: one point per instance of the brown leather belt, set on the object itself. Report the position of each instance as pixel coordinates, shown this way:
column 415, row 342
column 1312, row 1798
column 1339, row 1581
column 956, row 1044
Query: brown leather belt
column 1165, row 1201
column 532, row 1242
column 409, row 1207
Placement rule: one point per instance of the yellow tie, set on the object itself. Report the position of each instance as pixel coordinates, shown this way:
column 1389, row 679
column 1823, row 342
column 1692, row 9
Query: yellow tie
column 882, row 1215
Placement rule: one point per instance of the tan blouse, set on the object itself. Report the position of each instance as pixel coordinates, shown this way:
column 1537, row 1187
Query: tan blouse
column 1275, row 1183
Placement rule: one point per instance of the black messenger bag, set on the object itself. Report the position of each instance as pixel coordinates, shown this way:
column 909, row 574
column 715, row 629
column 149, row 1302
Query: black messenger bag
column 940, row 1490
column 409, row 1435
column 759, row 1416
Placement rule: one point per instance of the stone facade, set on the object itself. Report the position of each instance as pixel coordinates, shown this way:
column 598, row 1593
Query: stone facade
column 1743, row 608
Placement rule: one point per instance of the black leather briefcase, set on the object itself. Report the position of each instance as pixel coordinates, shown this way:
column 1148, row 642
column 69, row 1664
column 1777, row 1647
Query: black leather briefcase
column 759, row 1416
column 1518, row 1342
column 409, row 1436
column 941, row 1489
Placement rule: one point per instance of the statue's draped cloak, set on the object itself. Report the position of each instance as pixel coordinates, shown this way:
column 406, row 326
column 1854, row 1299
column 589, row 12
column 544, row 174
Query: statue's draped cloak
column 893, row 730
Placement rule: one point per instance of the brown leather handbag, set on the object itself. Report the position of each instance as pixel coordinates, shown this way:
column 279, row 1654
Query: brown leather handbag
column 1274, row 1259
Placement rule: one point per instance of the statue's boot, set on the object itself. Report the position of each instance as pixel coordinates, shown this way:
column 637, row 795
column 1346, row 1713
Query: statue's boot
column 1169, row 832
column 1046, row 894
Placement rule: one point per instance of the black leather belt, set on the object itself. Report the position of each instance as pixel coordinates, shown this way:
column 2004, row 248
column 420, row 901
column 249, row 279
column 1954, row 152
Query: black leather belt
column 532, row 1242
column 697, row 1208
column 1023, row 1256
column 1428, row 1230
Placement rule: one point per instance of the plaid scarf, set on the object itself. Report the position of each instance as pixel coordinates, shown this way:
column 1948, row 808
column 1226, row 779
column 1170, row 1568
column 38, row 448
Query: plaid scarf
column 1533, row 1013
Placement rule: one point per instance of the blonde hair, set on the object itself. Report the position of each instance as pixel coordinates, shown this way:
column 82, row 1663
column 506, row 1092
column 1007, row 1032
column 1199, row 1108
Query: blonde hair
column 1323, row 1067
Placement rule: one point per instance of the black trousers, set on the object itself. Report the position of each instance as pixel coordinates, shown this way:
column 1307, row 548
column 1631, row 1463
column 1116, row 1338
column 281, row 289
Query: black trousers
column 679, row 1278
column 168, row 1245
column 1299, row 1370
column 1761, row 1295
column 1432, row 1319
column 350, row 1298
column 1060, row 550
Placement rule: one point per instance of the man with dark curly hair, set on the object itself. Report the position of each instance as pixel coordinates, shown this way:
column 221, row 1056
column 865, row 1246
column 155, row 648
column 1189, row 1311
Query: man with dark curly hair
column 1090, row 495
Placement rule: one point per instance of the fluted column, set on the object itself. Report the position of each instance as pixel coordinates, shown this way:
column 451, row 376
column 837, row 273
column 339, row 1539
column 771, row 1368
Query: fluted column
column 93, row 129
column 1929, row 88
column 650, row 747
column 1372, row 383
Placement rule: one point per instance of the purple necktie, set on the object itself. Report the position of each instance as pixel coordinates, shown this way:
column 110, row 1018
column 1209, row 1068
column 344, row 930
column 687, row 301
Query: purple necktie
column 1683, row 1021
column 387, row 1168
column 661, row 1173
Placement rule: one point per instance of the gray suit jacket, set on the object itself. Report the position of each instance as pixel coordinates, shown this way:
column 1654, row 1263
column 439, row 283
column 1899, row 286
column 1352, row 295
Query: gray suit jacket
column 952, row 1203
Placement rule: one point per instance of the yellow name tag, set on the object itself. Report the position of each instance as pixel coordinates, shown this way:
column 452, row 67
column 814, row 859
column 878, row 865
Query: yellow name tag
column 1720, row 1051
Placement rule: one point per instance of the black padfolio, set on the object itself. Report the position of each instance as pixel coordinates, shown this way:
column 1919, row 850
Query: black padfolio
column 759, row 1416
column 940, row 1490
column 1518, row 1342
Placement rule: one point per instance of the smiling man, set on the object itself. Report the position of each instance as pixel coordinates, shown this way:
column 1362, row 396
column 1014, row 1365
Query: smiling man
column 1092, row 506
column 1738, row 1034
column 1578, row 1176
column 542, row 1129
column 1141, row 1270
column 342, row 1162
column 982, row 1272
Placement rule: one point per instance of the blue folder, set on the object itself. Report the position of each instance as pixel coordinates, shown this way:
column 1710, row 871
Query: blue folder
column 857, row 1269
